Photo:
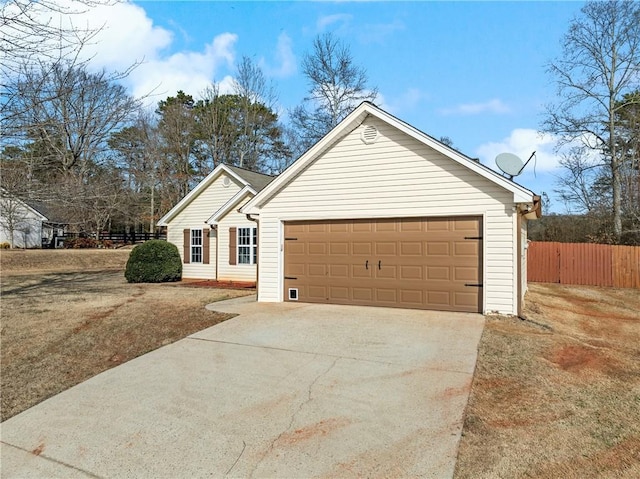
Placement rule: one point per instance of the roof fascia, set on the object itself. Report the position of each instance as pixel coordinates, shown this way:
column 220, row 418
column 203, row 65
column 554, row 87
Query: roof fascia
column 228, row 206
column 210, row 178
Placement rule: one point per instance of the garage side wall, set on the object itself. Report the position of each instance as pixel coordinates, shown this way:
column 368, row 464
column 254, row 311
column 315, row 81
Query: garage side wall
column 396, row 176
column 194, row 215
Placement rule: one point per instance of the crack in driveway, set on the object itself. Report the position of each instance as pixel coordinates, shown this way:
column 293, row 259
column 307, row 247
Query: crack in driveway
column 294, row 415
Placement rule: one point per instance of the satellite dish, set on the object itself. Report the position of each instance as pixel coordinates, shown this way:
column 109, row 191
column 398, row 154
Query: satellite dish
column 510, row 164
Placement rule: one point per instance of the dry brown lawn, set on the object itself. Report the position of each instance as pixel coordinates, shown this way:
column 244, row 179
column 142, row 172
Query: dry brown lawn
column 69, row 314
column 558, row 395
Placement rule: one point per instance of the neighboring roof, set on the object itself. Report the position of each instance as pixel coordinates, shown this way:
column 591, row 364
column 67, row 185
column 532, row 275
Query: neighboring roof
column 255, row 181
column 354, row 120
column 4, row 193
column 46, row 210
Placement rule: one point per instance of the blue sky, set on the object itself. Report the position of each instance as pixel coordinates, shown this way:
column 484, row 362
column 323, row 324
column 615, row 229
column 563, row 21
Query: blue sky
column 471, row 71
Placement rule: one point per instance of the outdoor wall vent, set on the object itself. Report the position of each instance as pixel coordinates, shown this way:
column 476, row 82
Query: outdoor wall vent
column 293, row 294
column 226, row 181
column 369, row 134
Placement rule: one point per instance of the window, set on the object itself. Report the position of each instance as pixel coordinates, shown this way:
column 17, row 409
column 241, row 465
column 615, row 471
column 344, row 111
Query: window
column 196, row 246
column 247, row 245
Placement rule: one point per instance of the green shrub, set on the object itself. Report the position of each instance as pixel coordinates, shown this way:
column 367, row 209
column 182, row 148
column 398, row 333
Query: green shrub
column 154, row 261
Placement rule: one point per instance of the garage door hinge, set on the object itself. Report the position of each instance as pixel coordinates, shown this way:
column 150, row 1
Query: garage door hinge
column 473, row 237
column 291, row 239
column 474, row 285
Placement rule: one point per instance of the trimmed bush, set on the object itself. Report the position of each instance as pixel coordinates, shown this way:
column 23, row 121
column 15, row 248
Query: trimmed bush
column 154, row 261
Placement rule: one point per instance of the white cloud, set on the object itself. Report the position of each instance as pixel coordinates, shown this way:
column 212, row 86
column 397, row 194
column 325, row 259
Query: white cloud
column 492, row 106
column 326, row 21
column 284, row 57
column 523, row 142
column 407, row 101
column 128, row 36
column 378, row 32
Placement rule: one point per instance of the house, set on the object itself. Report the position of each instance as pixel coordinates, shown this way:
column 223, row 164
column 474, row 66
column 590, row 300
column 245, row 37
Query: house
column 23, row 225
column 378, row 213
column 215, row 241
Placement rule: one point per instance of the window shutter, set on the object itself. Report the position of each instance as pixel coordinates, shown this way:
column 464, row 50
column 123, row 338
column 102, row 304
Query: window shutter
column 186, row 248
column 205, row 245
column 232, row 246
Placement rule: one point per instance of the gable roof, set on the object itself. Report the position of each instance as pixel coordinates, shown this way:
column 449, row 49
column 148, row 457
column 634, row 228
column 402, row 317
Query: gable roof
column 32, row 209
column 228, row 206
column 249, row 179
column 353, row 121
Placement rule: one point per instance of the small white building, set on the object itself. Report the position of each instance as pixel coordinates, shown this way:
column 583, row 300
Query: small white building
column 379, row 213
column 21, row 225
column 215, row 241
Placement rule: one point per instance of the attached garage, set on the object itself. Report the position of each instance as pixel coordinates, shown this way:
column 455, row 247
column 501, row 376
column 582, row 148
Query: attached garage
column 377, row 213
column 425, row 263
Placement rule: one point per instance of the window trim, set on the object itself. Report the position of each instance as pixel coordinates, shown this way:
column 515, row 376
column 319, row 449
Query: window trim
column 194, row 247
column 252, row 245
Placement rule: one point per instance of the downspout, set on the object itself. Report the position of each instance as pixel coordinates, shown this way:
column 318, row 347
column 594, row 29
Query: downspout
column 519, row 265
column 257, row 222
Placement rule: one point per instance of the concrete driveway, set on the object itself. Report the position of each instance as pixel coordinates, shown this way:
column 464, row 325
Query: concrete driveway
column 282, row 390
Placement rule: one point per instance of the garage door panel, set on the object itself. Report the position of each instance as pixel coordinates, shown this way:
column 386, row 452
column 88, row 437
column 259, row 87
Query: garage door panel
column 315, row 292
column 439, row 273
column 318, row 270
column 341, row 248
column 465, row 274
column 412, row 296
column 384, row 295
column 386, row 272
column 427, row 263
column 411, row 248
column 339, row 270
column 438, row 248
column 386, row 248
column 411, row 272
column 465, row 248
column 359, row 248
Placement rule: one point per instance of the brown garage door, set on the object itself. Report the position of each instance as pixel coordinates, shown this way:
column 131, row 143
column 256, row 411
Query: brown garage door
column 424, row 263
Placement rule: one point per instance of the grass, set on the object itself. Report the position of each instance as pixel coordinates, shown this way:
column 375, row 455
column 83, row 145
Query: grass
column 69, row 315
column 557, row 395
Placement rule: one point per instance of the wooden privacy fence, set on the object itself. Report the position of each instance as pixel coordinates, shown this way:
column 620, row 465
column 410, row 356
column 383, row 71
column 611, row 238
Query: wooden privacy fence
column 584, row 263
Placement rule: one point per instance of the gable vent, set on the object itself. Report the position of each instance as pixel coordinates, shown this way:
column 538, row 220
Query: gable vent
column 369, row 134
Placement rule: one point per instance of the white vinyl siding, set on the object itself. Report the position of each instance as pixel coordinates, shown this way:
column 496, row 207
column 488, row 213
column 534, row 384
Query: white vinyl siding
column 193, row 216
column 237, row 272
column 397, row 176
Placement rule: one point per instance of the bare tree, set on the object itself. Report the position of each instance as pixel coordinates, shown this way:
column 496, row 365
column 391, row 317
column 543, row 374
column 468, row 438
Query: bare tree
column 336, row 86
column 599, row 65
column 70, row 113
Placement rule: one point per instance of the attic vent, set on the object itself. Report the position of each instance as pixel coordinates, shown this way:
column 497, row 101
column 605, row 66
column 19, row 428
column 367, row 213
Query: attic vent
column 226, row 181
column 369, row 134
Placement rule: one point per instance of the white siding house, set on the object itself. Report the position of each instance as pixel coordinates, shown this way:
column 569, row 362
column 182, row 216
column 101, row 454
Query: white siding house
column 372, row 169
column 21, row 226
column 200, row 225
